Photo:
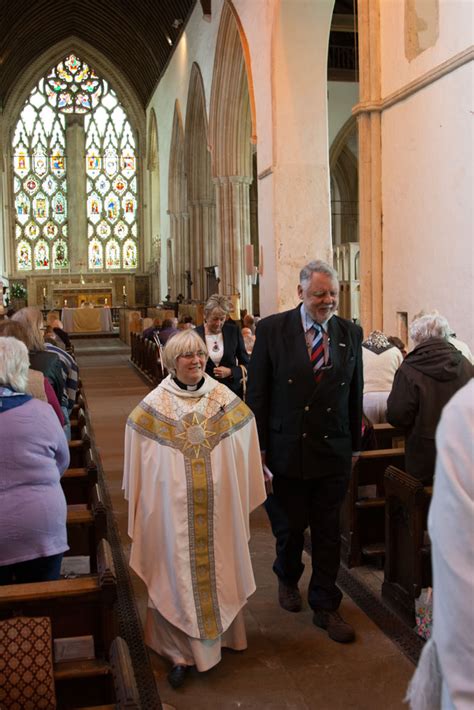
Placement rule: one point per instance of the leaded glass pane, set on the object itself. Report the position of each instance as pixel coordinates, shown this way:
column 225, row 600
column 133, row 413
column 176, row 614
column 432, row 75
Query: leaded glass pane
column 40, row 170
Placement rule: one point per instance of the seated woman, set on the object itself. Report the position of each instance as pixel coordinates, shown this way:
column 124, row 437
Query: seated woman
column 427, row 379
column 381, row 360
column 52, row 319
column 225, row 344
column 33, row 456
column 192, row 475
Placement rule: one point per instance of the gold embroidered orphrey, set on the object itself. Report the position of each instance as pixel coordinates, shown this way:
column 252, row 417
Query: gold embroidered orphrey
column 196, row 435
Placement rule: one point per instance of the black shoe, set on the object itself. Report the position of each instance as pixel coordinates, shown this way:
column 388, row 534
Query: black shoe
column 289, row 596
column 177, row 675
column 338, row 629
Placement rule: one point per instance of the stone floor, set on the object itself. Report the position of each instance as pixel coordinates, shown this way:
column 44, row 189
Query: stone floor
column 289, row 662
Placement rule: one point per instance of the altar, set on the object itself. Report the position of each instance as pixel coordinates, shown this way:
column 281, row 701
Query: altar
column 87, row 320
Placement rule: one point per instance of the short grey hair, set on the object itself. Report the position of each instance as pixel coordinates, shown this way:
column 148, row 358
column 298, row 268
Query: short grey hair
column 217, row 301
column 31, row 319
column 431, row 325
column 317, row 267
column 14, row 364
column 183, row 342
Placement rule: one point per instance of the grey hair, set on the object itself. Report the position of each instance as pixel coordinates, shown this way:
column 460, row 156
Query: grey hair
column 183, row 342
column 317, row 267
column 217, row 301
column 431, row 325
column 31, row 319
column 14, row 364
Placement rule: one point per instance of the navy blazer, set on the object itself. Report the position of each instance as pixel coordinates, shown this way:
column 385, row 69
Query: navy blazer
column 234, row 355
column 307, row 430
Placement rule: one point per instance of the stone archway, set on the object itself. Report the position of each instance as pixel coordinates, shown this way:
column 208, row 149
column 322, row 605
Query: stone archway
column 178, row 251
column 200, row 188
column 344, row 169
column 232, row 118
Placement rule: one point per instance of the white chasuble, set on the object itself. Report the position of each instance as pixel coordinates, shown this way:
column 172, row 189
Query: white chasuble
column 192, row 475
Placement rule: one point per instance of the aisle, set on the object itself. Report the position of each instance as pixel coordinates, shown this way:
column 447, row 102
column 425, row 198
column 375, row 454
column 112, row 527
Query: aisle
column 289, row 663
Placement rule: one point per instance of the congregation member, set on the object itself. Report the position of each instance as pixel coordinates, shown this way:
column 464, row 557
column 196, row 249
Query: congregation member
column 427, row 379
column 33, row 456
column 305, row 388
column 192, row 475
column 452, row 338
column 53, row 320
column 444, row 677
column 168, row 330
column 46, row 362
column 381, row 360
column 398, row 342
column 38, row 385
column 249, row 340
column 153, row 331
column 225, row 345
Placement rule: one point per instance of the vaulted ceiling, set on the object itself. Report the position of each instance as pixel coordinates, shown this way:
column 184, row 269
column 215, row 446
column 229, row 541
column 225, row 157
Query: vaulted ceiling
column 138, row 36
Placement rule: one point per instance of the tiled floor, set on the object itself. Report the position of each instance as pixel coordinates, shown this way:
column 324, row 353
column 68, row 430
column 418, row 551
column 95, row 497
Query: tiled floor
column 289, row 663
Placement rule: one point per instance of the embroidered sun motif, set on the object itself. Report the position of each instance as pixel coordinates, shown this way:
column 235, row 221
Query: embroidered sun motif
column 196, row 434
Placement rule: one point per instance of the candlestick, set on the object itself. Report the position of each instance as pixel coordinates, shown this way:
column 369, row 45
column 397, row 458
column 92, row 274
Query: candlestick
column 65, row 302
column 44, row 291
column 124, row 290
column 106, row 301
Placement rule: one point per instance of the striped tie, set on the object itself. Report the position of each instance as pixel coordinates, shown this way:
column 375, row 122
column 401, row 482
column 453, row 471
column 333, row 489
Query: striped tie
column 317, row 351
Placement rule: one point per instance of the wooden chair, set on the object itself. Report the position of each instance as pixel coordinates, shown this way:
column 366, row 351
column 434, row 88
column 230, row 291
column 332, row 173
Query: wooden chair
column 363, row 510
column 408, row 551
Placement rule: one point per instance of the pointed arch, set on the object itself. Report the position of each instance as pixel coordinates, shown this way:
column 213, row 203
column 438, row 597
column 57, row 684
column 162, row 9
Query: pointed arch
column 154, row 204
column 200, row 188
column 344, row 171
column 177, row 206
column 231, row 134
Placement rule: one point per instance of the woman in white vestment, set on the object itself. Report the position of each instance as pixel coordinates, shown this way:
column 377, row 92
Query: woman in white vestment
column 192, row 475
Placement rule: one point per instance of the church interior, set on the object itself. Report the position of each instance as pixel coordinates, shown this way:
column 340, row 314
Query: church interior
column 156, row 153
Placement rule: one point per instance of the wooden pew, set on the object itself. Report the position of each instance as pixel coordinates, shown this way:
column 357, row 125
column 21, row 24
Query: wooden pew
column 362, row 515
column 408, row 551
column 78, row 448
column 79, row 607
column 389, row 437
column 77, row 422
column 78, row 482
column 86, row 527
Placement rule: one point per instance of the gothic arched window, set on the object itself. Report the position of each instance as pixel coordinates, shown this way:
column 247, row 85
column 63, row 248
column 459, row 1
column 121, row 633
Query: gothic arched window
column 42, row 173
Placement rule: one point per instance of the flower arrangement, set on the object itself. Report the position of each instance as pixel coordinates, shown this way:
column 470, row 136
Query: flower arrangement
column 17, row 290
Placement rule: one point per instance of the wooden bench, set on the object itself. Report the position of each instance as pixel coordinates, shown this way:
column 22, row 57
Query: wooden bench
column 78, row 482
column 78, row 448
column 77, row 422
column 84, row 606
column 389, row 437
column 408, row 551
column 363, row 510
column 86, row 527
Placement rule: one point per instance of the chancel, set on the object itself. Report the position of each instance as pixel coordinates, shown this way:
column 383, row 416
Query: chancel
column 161, row 156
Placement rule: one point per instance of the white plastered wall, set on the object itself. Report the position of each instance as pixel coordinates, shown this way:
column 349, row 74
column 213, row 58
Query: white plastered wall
column 427, row 174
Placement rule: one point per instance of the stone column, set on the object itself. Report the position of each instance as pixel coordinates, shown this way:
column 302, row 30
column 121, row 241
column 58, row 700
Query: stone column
column 233, row 233
column 370, row 161
column 202, row 243
column 76, row 192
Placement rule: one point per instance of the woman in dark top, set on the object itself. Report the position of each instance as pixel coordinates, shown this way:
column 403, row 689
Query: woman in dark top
column 225, row 344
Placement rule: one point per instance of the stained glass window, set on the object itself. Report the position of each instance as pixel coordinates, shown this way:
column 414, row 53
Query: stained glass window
column 40, row 172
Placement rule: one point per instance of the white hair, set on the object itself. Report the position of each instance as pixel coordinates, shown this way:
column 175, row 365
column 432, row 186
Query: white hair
column 317, row 267
column 14, row 364
column 31, row 319
column 431, row 325
column 183, row 342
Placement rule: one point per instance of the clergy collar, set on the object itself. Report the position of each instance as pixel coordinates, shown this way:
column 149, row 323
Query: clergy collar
column 189, row 388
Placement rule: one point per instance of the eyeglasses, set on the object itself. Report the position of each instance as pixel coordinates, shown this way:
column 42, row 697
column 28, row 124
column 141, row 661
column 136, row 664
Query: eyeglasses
column 190, row 355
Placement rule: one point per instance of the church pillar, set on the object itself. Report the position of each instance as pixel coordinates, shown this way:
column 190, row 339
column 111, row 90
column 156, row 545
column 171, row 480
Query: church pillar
column 370, row 161
column 201, row 239
column 76, row 192
column 233, row 233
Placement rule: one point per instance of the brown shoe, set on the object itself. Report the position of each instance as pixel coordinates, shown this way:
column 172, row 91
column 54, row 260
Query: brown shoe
column 338, row 629
column 289, row 596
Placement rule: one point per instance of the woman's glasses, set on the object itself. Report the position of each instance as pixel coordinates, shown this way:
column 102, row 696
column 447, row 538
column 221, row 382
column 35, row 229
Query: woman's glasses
column 190, row 355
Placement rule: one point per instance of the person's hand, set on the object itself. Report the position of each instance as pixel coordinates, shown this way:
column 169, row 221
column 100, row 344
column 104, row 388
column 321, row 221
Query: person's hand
column 354, row 460
column 267, row 475
column 221, row 372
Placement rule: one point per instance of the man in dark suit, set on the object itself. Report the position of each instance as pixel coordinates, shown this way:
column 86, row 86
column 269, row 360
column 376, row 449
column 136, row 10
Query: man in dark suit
column 305, row 388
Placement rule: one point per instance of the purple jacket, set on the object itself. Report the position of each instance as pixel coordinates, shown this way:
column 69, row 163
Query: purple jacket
column 34, row 454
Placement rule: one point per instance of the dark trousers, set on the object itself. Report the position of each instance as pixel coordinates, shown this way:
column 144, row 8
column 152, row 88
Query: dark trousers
column 298, row 503
column 42, row 569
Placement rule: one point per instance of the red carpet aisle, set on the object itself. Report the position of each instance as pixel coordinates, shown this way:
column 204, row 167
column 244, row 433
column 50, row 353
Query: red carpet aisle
column 289, row 663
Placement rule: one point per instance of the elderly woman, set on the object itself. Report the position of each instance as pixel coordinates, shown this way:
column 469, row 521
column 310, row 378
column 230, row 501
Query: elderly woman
column 48, row 363
column 33, row 456
column 381, row 360
column 225, row 344
column 427, row 379
column 192, row 475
